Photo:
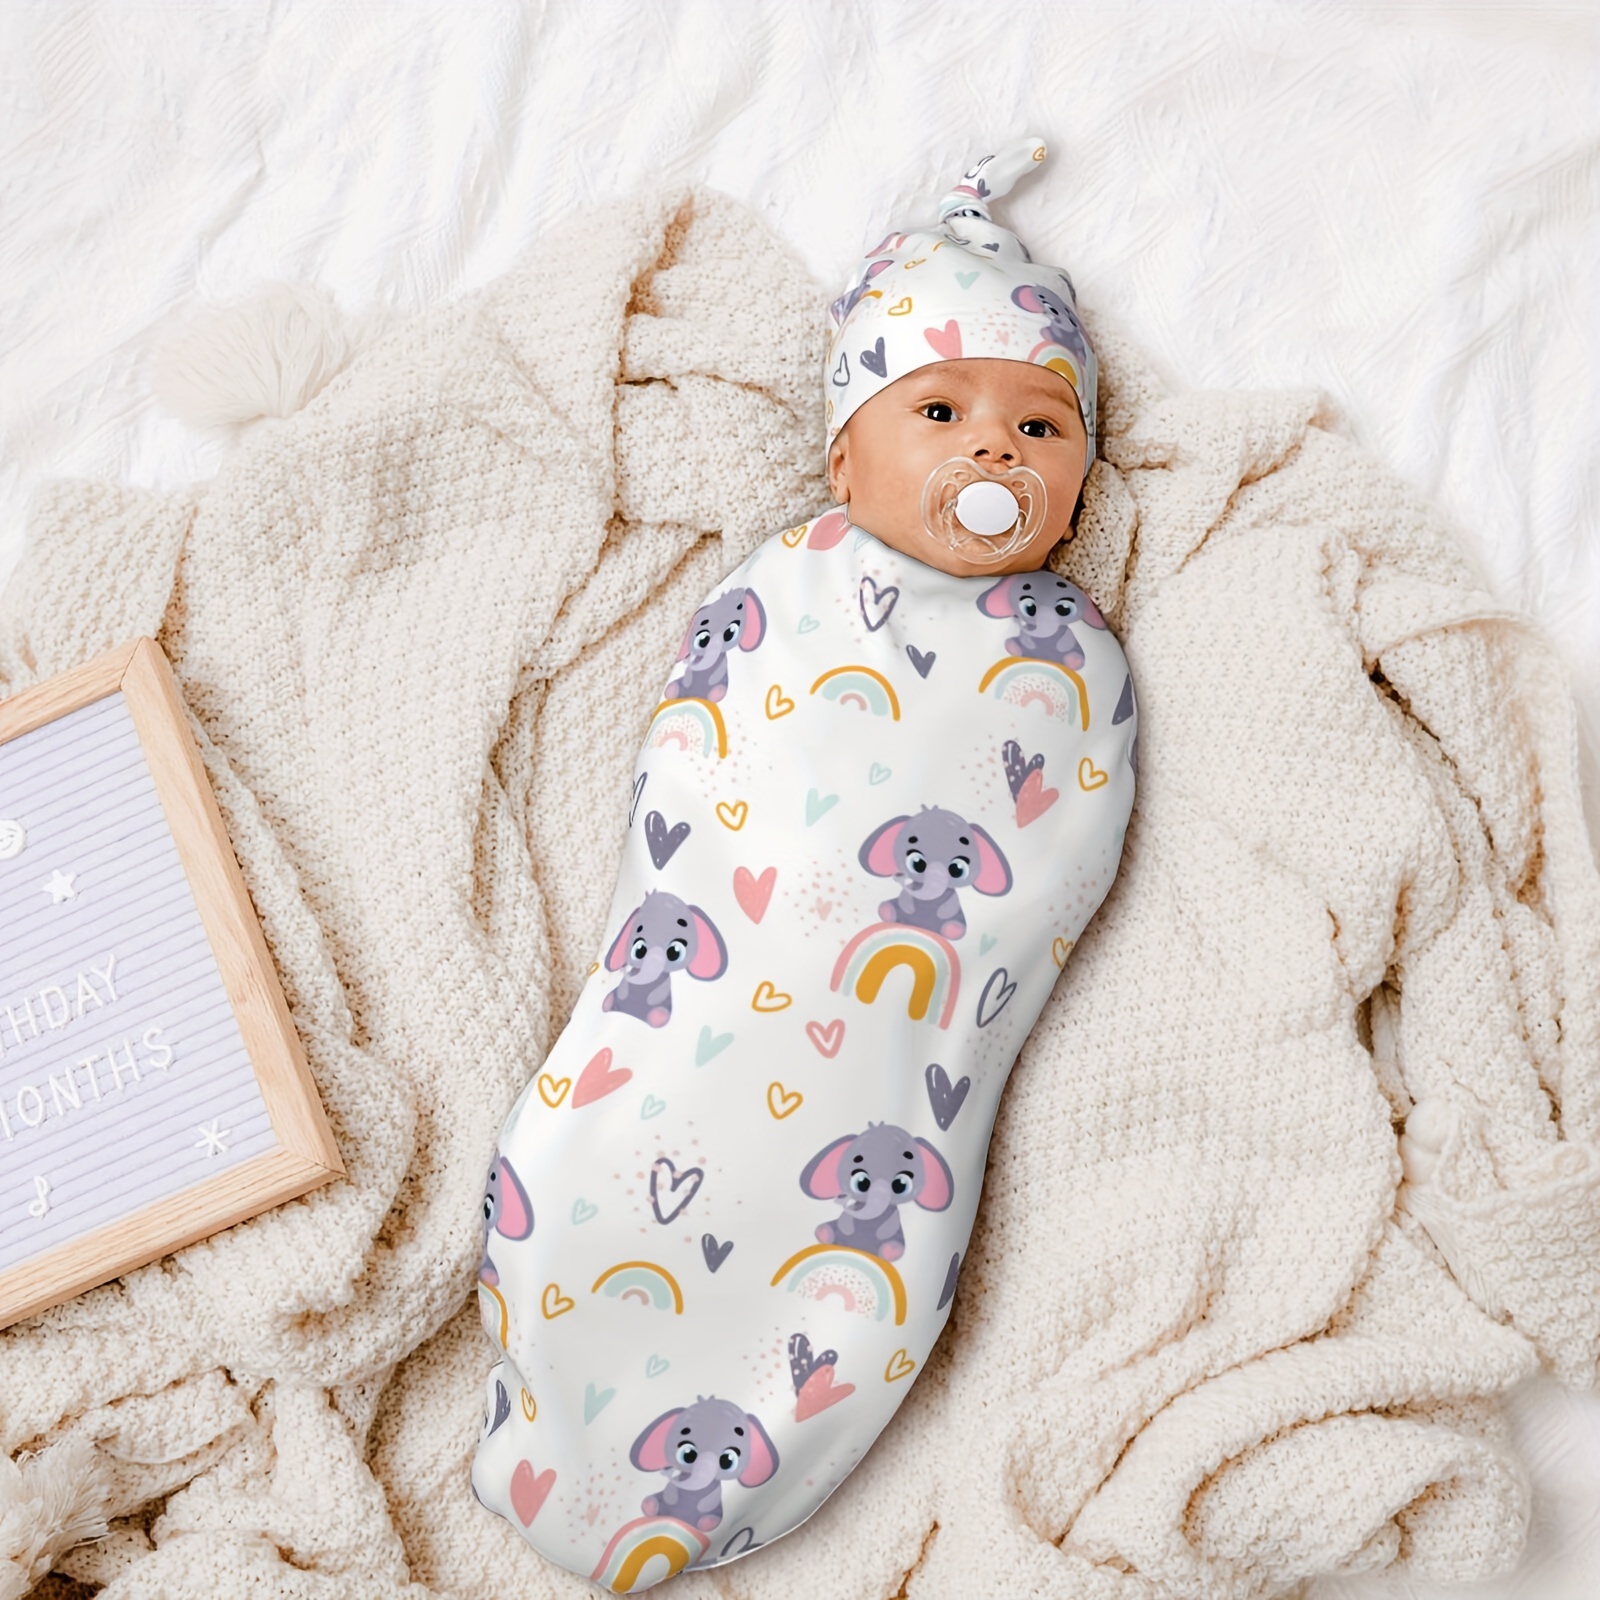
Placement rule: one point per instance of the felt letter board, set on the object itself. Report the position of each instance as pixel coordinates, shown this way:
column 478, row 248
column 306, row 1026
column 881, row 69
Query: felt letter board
column 153, row 1089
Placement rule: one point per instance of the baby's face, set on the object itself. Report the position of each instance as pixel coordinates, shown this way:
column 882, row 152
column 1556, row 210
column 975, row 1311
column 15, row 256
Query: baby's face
column 1003, row 414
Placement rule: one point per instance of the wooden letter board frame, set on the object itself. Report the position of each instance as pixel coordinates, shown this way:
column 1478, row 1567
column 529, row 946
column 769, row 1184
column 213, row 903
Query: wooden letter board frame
column 306, row 1155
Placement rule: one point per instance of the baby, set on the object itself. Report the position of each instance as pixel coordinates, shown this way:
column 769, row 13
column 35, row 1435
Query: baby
column 884, row 790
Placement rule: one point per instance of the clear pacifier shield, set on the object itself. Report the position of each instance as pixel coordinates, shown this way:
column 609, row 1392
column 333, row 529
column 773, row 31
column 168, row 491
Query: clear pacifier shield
column 983, row 515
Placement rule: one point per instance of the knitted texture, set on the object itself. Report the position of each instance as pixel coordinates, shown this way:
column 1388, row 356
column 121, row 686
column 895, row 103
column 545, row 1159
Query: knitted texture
column 1207, row 1341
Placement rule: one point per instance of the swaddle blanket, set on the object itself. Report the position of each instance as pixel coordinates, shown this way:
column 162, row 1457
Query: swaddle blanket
column 1206, row 1342
column 874, row 810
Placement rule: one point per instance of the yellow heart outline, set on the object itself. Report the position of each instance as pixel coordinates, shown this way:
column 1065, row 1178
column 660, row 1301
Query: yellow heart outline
column 733, row 816
column 530, row 1406
column 899, row 1365
column 769, row 997
column 788, row 1099
column 793, row 536
column 1060, row 949
column 901, row 307
column 1090, row 777
column 778, row 703
column 553, row 1090
column 553, row 1303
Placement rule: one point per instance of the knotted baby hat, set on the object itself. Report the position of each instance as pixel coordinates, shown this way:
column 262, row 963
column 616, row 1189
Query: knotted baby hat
column 967, row 288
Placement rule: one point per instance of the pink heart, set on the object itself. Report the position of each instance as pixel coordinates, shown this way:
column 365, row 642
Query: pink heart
column 819, row 1392
column 528, row 1493
column 827, row 531
column 827, row 1039
column 823, row 908
column 946, row 341
column 591, row 1513
column 1033, row 799
column 597, row 1080
column 753, row 893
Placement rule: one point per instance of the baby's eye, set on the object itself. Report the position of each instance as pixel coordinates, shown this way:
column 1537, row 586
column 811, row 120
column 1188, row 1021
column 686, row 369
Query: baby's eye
column 1038, row 428
column 938, row 411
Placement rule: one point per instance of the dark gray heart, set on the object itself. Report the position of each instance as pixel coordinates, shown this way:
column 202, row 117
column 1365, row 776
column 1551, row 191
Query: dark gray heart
column 740, row 1544
column 873, row 360
column 714, row 1253
column 668, row 1198
column 948, row 1292
column 944, row 1097
column 922, row 662
column 638, row 789
column 1017, row 769
column 882, row 603
column 802, row 1363
column 1124, row 703
column 662, row 840
column 502, row 1406
column 1002, row 990
column 991, row 247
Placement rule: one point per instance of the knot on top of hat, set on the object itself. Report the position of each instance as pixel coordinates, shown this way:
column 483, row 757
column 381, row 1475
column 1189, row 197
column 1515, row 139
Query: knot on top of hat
column 991, row 178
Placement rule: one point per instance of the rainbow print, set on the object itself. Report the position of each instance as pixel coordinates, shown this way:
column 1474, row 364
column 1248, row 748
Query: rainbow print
column 1022, row 681
column 692, row 725
column 875, row 952
column 861, row 687
column 492, row 1309
column 860, row 1282
column 648, row 1551
column 642, row 1282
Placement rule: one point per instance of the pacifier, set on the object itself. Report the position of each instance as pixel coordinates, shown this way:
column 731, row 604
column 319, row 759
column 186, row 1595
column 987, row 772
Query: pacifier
column 982, row 515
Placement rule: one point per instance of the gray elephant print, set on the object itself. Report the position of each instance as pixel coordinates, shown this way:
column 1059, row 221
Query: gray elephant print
column 932, row 856
column 1044, row 607
column 1064, row 328
column 662, row 935
column 873, row 1174
column 733, row 621
column 700, row 1447
column 506, row 1211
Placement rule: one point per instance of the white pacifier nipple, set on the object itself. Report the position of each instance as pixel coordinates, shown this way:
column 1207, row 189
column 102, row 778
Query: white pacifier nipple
column 980, row 514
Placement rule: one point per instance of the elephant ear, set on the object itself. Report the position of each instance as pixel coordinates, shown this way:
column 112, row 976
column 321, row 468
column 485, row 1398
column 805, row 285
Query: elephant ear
column 994, row 871
column 877, row 854
column 618, row 953
column 761, row 1459
column 821, row 1178
column 710, row 958
column 938, row 1187
column 649, row 1452
column 688, row 634
column 513, row 1215
column 755, row 621
column 1089, row 611
column 1027, row 296
column 995, row 601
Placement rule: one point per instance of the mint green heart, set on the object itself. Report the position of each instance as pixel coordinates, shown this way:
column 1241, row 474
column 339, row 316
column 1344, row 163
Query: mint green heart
column 987, row 943
column 710, row 1045
column 877, row 774
column 807, row 624
column 966, row 279
column 819, row 805
column 655, row 1366
column 582, row 1211
column 595, row 1401
column 652, row 1107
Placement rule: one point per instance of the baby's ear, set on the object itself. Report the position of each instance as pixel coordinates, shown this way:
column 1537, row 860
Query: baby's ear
column 839, row 468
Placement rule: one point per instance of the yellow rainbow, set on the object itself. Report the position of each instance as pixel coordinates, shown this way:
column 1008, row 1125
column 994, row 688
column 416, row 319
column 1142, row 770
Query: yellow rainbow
column 868, row 959
column 1004, row 673
column 637, row 1543
column 503, row 1314
column 879, row 1274
column 701, row 714
column 645, row 1275
column 876, row 693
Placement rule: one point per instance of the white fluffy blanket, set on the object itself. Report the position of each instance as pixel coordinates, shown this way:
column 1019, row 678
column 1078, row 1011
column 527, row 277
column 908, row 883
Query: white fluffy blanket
column 1206, row 1341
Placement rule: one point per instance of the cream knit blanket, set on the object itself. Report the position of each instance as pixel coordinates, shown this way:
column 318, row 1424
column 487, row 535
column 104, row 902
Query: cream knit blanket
column 1206, row 1340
